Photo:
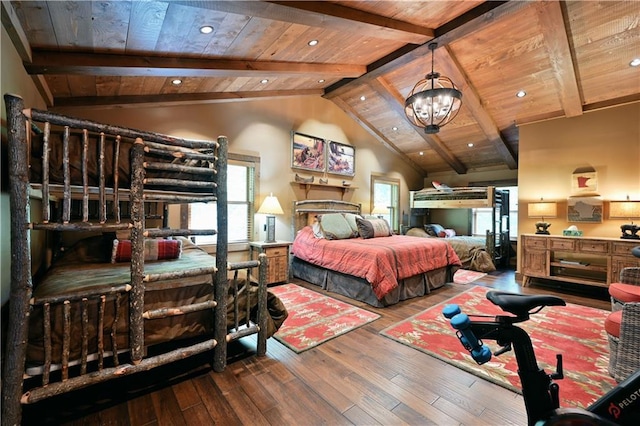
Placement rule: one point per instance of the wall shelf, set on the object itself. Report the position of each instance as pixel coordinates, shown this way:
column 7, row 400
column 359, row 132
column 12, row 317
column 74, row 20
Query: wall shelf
column 309, row 186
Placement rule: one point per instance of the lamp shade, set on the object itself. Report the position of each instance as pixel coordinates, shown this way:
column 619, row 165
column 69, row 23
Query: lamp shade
column 624, row 209
column 270, row 205
column 542, row 209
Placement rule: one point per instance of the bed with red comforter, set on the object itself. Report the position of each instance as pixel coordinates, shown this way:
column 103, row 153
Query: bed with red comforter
column 379, row 271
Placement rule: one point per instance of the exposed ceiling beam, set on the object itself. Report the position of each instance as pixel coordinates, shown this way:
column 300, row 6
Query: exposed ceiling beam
column 377, row 134
column 452, row 69
column 396, row 102
column 468, row 23
column 18, row 37
column 557, row 43
column 325, row 15
column 178, row 98
column 56, row 63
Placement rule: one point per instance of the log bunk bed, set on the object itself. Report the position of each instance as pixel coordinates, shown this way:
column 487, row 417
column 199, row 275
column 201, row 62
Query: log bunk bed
column 380, row 270
column 104, row 330
column 496, row 240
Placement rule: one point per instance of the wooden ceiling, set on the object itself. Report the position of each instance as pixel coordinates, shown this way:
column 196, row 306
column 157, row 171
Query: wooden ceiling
column 570, row 57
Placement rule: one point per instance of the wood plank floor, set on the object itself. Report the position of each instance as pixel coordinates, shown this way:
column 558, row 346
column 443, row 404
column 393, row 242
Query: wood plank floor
column 359, row 378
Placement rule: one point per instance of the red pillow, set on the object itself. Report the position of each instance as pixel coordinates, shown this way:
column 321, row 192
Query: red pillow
column 153, row 250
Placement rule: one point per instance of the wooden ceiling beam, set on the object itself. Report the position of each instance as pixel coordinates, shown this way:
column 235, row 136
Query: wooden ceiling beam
column 94, row 64
column 450, row 67
column 324, row 15
column 559, row 50
column 396, row 102
column 177, row 98
column 369, row 127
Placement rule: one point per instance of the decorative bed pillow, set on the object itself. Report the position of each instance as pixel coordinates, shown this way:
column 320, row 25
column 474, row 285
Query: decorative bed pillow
column 335, row 227
column 153, row 250
column 351, row 218
column 447, row 233
column 434, row 229
column 372, row 228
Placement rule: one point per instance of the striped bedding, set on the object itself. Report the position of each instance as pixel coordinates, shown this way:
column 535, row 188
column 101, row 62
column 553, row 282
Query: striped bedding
column 382, row 261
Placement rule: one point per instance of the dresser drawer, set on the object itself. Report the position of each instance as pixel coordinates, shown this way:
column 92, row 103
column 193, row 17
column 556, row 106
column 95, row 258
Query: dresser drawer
column 593, row 246
column 535, row 242
column 276, row 251
column 622, row 248
column 562, row 244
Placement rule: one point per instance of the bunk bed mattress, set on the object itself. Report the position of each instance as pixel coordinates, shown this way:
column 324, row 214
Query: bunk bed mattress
column 72, row 275
column 383, row 262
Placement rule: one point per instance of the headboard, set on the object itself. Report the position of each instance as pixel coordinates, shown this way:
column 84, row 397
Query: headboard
column 305, row 211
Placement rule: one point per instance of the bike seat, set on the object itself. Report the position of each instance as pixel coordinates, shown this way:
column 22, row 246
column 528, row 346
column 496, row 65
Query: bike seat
column 522, row 304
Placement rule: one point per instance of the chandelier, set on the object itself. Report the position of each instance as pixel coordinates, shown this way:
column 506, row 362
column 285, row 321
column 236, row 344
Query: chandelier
column 434, row 101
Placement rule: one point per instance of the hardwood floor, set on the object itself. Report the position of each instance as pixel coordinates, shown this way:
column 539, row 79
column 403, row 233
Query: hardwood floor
column 359, row 378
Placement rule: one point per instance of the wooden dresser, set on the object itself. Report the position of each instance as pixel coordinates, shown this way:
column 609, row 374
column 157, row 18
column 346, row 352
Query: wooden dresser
column 580, row 260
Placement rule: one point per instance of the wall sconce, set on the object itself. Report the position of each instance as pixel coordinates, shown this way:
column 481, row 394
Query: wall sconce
column 542, row 209
column 270, row 206
column 626, row 210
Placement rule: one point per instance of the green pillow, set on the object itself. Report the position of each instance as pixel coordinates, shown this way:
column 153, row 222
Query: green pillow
column 335, row 227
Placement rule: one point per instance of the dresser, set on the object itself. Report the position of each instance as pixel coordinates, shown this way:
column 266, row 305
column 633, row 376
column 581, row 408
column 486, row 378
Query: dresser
column 579, row 260
column 278, row 257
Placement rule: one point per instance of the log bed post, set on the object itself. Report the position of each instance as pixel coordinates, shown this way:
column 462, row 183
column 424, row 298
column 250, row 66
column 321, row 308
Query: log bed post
column 136, row 297
column 220, row 284
column 21, row 283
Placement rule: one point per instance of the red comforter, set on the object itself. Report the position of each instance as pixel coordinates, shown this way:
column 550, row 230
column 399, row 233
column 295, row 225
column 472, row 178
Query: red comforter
column 382, row 261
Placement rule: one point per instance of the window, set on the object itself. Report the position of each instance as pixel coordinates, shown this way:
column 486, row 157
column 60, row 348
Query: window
column 386, row 194
column 481, row 220
column 240, row 196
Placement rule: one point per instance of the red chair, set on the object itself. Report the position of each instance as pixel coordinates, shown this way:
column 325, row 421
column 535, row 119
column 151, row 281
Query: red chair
column 623, row 325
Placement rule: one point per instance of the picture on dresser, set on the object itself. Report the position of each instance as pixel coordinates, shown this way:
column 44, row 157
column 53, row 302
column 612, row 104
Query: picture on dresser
column 584, row 209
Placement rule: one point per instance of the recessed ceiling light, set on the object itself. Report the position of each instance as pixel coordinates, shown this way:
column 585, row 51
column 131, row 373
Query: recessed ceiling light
column 313, row 42
column 635, row 62
column 321, row 80
column 176, row 82
column 264, row 81
column 394, row 128
column 521, row 94
column 206, row 29
column 363, row 98
column 470, row 145
column 421, row 153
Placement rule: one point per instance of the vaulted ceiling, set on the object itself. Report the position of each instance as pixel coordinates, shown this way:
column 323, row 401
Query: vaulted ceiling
column 570, row 57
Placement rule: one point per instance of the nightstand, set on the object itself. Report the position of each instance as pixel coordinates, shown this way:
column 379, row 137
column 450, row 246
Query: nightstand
column 278, row 255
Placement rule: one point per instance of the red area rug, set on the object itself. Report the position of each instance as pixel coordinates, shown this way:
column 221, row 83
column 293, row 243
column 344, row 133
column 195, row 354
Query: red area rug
column 576, row 332
column 315, row 318
column 464, row 276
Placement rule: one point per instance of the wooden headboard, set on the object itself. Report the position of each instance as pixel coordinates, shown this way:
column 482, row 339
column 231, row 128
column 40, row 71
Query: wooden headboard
column 305, row 211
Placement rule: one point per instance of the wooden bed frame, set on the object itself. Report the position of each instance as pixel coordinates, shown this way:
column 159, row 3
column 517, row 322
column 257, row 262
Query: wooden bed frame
column 211, row 157
column 347, row 285
column 497, row 238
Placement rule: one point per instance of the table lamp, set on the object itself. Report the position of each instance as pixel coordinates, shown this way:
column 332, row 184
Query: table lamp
column 270, row 206
column 541, row 210
column 626, row 210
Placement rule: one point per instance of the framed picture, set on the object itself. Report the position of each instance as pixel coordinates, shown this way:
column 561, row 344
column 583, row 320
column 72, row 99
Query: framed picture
column 308, row 152
column 584, row 209
column 583, row 183
column 341, row 159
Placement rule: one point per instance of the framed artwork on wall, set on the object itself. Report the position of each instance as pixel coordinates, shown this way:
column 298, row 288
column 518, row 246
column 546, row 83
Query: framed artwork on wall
column 584, row 182
column 584, row 209
column 308, row 152
column 341, row 159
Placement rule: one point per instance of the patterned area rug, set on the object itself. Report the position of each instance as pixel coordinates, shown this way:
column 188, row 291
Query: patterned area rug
column 315, row 318
column 576, row 332
column 464, row 276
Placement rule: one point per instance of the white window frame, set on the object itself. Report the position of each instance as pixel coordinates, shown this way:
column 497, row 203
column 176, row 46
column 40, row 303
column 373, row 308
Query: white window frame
column 513, row 214
column 239, row 244
column 392, row 203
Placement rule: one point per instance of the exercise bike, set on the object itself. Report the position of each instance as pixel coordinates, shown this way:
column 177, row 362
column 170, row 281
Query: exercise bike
column 619, row 406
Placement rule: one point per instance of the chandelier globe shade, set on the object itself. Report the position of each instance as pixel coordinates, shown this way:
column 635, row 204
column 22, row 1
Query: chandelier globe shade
column 434, row 101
